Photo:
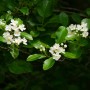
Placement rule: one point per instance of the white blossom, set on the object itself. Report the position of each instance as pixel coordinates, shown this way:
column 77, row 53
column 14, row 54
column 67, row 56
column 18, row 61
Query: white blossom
column 56, row 50
column 56, row 57
column 85, row 34
column 8, row 27
column 12, row 33
column 15, row 28
column 6, row 34
column 8, row 37
column 17, row 33
column 17, row 40
column 42, row 48
column 72, row 27
column 83, row 24
column 22, row 27
column 24, row 40
column 78, row 27
column 65, row 46
column 14, row 22
column 79, row 30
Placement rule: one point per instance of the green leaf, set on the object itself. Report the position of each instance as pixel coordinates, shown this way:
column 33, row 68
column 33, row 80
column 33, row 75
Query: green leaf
column 45, row 8
column 70, row 55
column 14, row 51
column 61, row 33
column 64, row 20
column 19, row 67
column 36, row 44
column 34, row 33
column 87, row 21
column 26, row 35
column 83, row 42
column 88, row 11
column 2, row 39
column 48, row 63
column 24, row 10
column 54, row 19
column 76, row 17
column 35, row 57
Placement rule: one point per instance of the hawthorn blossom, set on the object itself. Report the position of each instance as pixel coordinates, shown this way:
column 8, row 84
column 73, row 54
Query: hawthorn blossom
column 18, row 40
column 24, row 40
column 42, row 48
column 14, row 22
column 22, row 27
column 80, row 30
column 56, row 50
column 13, row 31
column 8, row 27
column 17, row 33
column 85, row 34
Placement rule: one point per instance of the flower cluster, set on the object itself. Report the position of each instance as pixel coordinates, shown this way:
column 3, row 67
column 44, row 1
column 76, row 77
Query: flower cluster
column 13, row 31
column 81, row 30
column 56, row 50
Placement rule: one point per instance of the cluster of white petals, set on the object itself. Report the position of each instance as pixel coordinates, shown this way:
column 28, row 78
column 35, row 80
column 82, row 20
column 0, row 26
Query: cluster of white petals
column 79, row 29
column 56, row 50
column 42, row 48
column 13, row 31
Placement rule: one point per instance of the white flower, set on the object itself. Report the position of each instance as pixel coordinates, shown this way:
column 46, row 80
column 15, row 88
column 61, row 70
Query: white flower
column 14, row 22
column 83, row 24
column 85, row 34
column 22, row 27
column 55, row 49
column 72, row 27
column 6, row 34
column 65, row 46
column 62, row 44
column 84, row 29
column 24, row 40
column 8, row 27
column 15, row 28
column 78, row 27
column 42, row 48
column 56, row 57
column 17, row 40
column 17, row 33
column 62, row 50
column 9, row 39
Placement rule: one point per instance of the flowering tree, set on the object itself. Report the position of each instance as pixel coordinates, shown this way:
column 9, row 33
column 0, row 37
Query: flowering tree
column 35, row 31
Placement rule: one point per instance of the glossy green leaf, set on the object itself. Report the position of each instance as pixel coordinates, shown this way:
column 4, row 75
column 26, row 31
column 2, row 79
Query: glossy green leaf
column 25, row 10
column 2, row 39
column 64, row 20
column 36, row 44
column 48, row 63
column 35, row 57
column 76, row 17
column 71, row 55
column 88, row 11
column 61, row 33
column 19, row 67
column 34, row 33
column 26, row 35
column 45, row 8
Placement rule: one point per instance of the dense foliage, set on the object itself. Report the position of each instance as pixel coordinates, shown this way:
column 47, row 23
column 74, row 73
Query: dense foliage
column 44, row 44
